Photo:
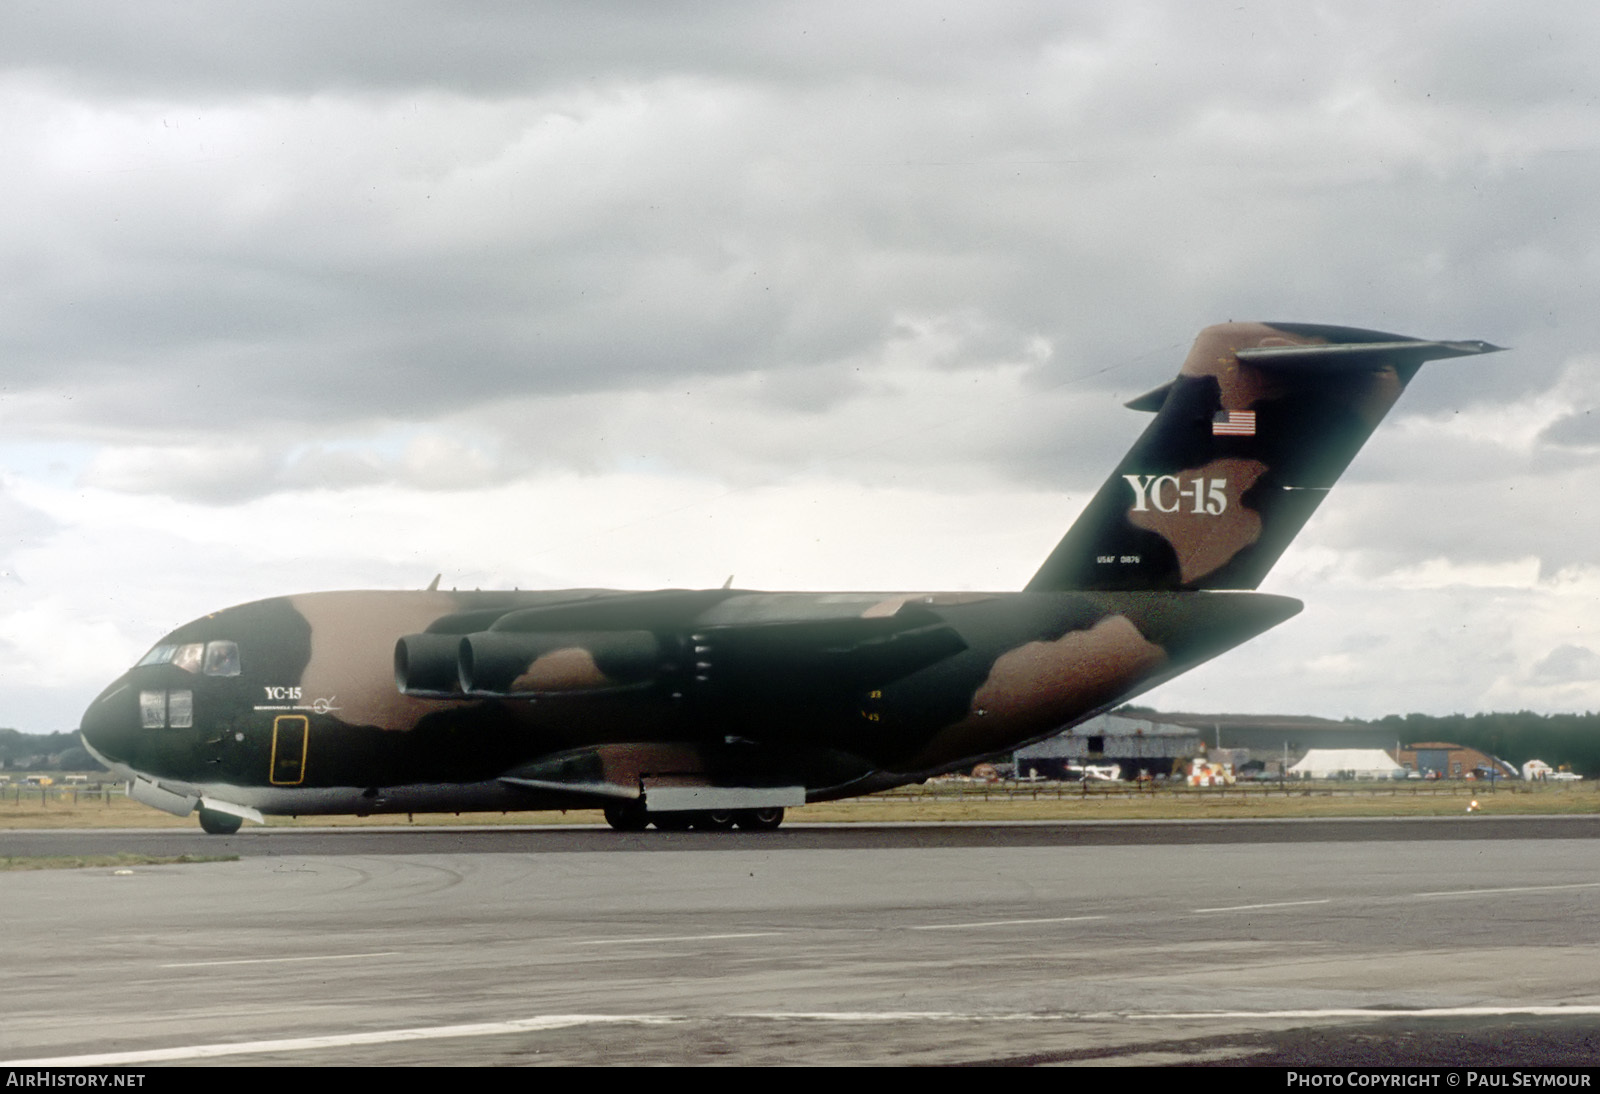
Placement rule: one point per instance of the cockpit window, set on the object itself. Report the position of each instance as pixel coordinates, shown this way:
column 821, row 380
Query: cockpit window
column 222, row 659
column 160, row 655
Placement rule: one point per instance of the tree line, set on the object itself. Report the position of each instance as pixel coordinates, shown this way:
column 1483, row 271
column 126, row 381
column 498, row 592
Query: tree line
column 44, row 752
column 1557, row 739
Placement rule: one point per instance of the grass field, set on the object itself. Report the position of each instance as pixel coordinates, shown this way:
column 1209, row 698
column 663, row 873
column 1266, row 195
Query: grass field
column 31, row 809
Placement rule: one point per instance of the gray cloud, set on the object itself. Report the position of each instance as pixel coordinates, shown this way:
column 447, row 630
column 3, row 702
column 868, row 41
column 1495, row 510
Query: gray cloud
column 299, row 46
column 1580, row 430
column 444, row 238
column 1567, row 664
column 22, row 526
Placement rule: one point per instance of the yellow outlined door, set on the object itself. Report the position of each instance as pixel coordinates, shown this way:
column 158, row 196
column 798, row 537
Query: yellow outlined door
column 290, row 733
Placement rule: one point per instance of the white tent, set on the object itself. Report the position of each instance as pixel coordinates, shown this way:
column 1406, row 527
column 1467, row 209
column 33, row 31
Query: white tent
column 1363, row 763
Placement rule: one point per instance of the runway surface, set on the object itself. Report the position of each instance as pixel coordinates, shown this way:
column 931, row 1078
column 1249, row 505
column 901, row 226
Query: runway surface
column 1471, row 941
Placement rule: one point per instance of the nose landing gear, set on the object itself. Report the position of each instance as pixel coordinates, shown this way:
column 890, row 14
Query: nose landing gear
column 219, row 824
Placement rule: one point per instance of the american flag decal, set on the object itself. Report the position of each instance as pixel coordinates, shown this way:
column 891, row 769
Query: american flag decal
column 1234, row 423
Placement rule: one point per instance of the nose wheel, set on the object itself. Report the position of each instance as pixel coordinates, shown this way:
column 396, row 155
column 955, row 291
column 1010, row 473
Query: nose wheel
column 219, row 824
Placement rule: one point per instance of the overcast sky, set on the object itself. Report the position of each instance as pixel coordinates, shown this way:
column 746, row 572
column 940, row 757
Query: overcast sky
column 309, row 296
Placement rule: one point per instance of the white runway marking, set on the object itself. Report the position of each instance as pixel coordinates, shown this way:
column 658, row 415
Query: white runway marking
column 1002, row 923
column 901, row 1016
column 673, row 938
column 1378, row 1012
column 1256, row 907
column 1514, row 889
column 566, row 1021
column 340, row 1040
column 278, row 960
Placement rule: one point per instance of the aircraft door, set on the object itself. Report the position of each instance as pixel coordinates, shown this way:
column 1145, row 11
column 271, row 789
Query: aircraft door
column 290, row 735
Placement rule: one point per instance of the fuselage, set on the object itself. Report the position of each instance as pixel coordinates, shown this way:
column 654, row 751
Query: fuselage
column 301, row 704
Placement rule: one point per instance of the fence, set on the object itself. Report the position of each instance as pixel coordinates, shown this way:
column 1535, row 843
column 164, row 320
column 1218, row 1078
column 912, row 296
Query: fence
column 103, row 793
column 1290, row 788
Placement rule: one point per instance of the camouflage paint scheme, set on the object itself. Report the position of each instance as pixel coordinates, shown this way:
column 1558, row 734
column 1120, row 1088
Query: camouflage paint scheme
column 704, row 705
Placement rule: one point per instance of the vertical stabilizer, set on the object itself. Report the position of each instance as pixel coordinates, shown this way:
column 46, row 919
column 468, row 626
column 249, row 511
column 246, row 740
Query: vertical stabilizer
column 1260, row 422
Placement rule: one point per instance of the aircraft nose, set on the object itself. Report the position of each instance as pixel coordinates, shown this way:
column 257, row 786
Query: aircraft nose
column 111, row 724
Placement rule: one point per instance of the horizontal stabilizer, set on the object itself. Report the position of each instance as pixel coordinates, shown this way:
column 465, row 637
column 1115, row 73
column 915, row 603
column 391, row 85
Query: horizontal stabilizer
column 1362, row 354
column 1152, row 400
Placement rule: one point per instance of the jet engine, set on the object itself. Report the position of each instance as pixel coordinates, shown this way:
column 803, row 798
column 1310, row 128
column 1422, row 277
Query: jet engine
column 527, row 664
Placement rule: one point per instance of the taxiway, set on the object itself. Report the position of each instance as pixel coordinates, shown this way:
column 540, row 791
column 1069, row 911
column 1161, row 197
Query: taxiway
column 1037, row 943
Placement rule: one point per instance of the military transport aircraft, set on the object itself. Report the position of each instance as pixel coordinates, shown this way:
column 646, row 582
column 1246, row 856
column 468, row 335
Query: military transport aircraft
column 719, row 707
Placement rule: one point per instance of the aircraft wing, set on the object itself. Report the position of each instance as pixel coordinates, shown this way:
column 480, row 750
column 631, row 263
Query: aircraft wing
column 673, row 640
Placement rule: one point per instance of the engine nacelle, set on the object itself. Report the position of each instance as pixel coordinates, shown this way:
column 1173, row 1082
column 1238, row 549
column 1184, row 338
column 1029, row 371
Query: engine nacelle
column 536, row 664
column 427, row 666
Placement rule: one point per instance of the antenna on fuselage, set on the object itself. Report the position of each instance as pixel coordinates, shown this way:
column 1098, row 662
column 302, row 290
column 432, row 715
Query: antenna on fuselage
column 433, row 586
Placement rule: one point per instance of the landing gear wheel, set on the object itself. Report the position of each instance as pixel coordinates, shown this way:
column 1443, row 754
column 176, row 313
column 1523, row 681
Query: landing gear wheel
column 672, row 822
column 716, row 820
column 758, row 820
column 219, row 824
column 627, row 817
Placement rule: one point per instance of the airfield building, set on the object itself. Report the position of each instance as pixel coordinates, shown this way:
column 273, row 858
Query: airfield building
column 1136, row 744
column 1445, row 760
column 1351, row 763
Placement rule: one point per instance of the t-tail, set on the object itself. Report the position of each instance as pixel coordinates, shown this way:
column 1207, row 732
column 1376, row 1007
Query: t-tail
column 1259, row 424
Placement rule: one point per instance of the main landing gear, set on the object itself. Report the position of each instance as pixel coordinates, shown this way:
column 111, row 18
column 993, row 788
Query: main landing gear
column 634, row 817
